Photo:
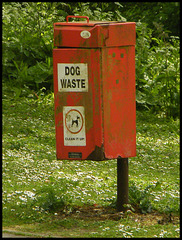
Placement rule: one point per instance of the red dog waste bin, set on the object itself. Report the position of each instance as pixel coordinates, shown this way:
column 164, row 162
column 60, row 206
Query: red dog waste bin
column 94, row 89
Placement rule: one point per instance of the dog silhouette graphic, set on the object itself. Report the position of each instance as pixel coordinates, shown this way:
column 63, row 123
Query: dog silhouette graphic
column 75, row 121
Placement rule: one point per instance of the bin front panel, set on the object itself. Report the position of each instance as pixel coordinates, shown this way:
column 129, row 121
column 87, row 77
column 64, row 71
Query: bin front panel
column 77, row 92
column 119, row 114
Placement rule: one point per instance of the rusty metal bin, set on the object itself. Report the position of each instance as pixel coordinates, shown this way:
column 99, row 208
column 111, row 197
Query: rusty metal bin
column 94, row 89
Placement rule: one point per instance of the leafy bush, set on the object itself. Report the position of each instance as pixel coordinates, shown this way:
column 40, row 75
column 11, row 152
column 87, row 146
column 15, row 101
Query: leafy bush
column 28, row 43
column 157, row 71
column 110, row 11
column 165, row 13
column 52, row 196
column 140, row 199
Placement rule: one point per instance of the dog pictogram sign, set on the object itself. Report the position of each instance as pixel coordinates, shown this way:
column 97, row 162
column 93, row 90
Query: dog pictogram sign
column 74, row 121
column 74, row 126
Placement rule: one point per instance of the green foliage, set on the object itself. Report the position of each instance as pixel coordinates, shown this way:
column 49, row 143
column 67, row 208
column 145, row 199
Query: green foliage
column 109, row 11
column 51, row 196
column 166, row 80
column 140, row 198
column 157, row 71
column 165, row 13
column 28, row 43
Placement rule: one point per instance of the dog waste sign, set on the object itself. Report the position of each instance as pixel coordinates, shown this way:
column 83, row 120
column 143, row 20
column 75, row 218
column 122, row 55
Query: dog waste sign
column 74, row 126
column 72, row 77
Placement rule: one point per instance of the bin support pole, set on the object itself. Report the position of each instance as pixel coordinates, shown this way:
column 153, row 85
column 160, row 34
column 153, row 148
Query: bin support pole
column 122, row 183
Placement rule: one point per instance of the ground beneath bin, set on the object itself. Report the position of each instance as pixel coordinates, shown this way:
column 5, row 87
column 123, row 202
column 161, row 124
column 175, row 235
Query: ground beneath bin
column 96, row 213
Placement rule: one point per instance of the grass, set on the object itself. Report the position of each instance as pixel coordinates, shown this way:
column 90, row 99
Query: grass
column 40, row 192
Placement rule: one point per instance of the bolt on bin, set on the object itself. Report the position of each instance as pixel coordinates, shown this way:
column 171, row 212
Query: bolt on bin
column 94, row 89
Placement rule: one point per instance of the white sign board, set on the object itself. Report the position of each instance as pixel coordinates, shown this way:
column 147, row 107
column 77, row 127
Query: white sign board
column 74, row 126
column 72, row 77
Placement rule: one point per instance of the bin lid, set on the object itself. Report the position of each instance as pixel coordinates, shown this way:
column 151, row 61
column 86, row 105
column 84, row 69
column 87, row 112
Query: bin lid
column 94, row 34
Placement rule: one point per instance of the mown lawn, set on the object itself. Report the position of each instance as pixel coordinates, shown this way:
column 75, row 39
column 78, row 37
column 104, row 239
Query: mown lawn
column 42, row 195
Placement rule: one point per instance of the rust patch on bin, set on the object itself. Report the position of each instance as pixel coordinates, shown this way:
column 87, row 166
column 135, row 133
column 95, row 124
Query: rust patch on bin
column 97, row 154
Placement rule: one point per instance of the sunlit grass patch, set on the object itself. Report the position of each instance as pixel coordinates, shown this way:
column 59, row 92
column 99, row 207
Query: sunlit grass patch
column 37, row 187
